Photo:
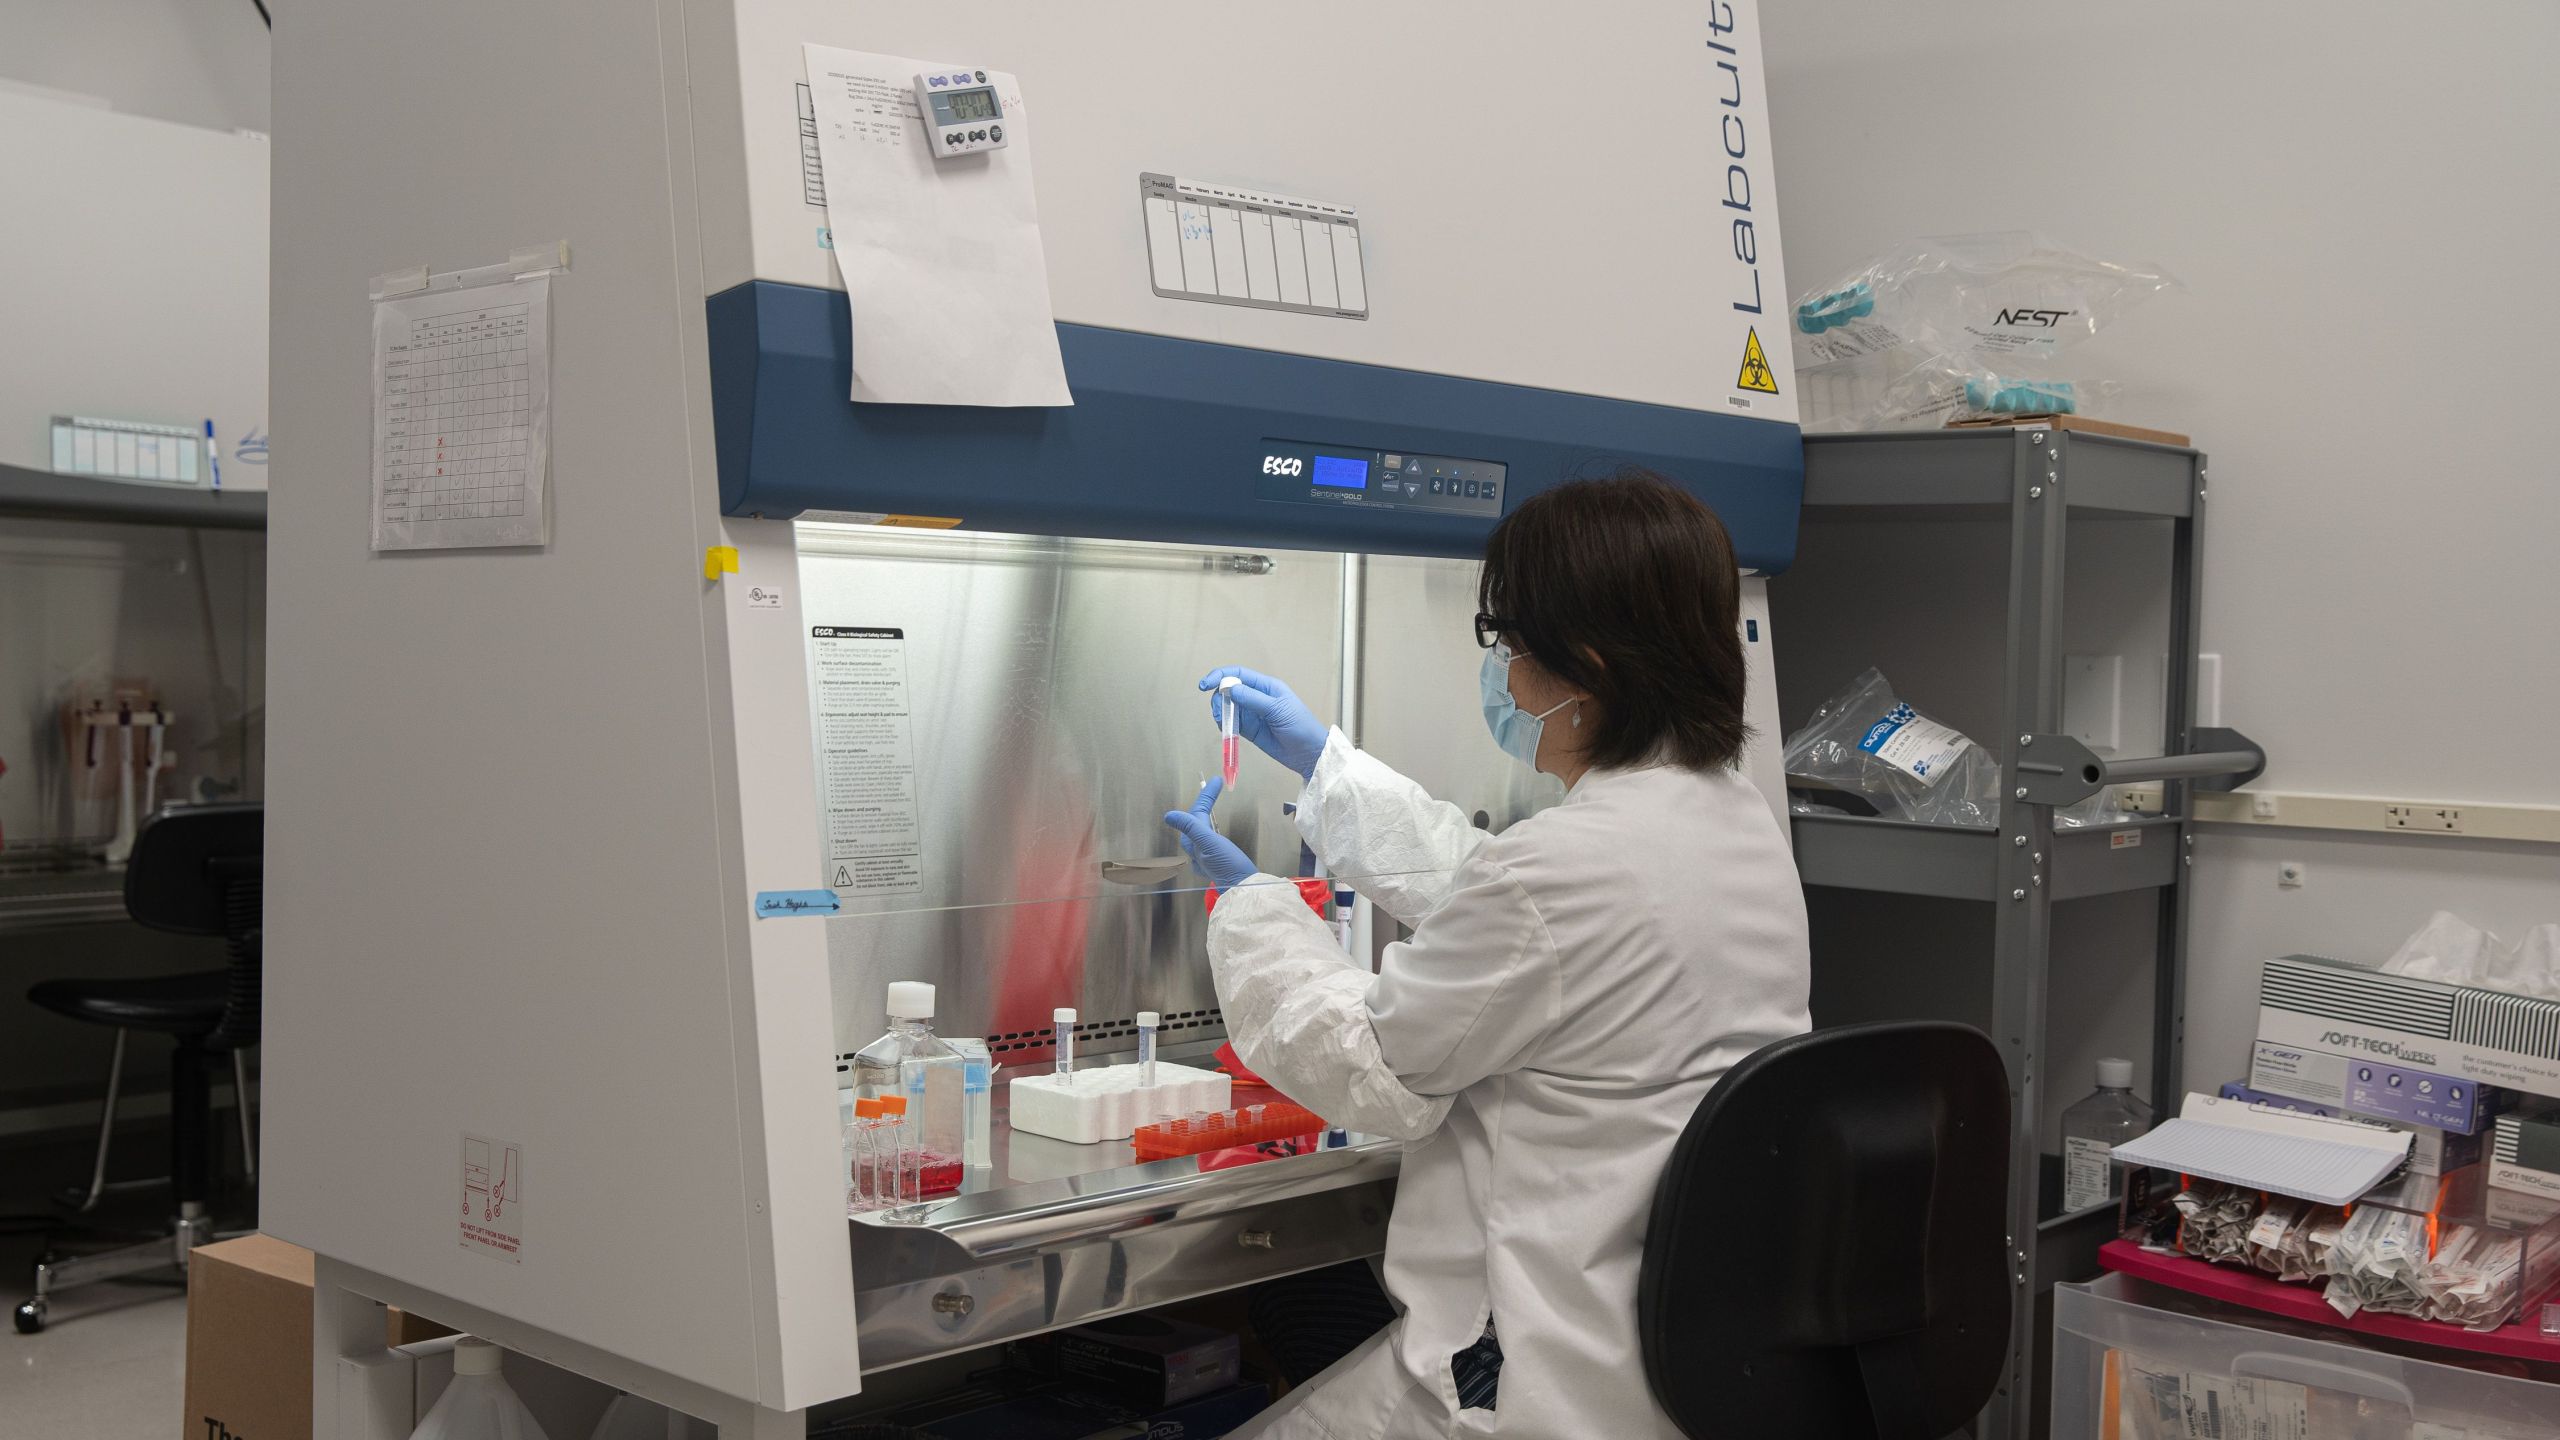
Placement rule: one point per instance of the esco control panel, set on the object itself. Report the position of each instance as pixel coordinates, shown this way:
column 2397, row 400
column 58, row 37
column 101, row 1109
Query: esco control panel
column 1311, row 474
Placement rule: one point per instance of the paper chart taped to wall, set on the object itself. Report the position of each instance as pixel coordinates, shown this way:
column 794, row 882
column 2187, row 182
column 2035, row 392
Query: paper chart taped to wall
column 462, row 416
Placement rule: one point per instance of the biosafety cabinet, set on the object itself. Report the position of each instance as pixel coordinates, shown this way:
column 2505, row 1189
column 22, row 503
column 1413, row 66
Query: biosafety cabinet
column 1330, row 290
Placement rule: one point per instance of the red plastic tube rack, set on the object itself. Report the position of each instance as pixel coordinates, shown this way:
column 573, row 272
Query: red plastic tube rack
column 1222, row 1129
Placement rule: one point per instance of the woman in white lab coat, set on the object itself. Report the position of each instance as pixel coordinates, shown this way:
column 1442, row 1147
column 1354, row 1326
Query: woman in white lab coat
column 1573, row 987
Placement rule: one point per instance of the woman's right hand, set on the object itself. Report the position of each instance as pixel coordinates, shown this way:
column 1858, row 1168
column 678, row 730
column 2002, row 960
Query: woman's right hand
column 1269, row 714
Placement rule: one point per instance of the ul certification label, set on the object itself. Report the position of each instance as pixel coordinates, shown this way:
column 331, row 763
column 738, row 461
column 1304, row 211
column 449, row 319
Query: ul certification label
column 493, row 1197
column 866, row 762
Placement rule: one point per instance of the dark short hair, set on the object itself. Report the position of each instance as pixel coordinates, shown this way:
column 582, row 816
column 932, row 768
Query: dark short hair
column 1626, row 587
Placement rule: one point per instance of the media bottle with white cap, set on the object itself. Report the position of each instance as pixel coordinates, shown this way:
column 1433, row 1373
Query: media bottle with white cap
column 2094, row 1127
column 478, row 1404
column 913, row 1064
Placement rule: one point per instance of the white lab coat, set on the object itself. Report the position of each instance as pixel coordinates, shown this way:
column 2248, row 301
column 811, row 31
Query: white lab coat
column 1573, row 988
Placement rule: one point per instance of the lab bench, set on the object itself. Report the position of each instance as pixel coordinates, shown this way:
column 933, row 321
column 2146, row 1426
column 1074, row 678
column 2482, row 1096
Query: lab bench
column 41, row 898
column 42, row 494
column 1053, row 1234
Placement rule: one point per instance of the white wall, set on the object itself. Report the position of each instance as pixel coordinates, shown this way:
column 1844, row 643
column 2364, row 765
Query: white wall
column 151, row 238
column 82, row 603
column 200, row 62
column 2362, row 201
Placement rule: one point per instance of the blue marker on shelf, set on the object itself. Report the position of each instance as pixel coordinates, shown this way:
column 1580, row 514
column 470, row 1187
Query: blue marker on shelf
column 212, row 453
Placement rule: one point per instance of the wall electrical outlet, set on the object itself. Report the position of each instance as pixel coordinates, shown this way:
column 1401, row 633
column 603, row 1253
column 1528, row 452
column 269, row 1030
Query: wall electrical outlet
column 2138, row 799
column 2290, row 874
column 2263, row 806
column 2425, row 819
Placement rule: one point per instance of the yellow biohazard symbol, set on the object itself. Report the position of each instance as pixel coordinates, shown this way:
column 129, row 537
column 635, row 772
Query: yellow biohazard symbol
column 1755, row 367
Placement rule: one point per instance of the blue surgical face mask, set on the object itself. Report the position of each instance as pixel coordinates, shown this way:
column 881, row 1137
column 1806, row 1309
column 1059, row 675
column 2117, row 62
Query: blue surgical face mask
column 1514, row 729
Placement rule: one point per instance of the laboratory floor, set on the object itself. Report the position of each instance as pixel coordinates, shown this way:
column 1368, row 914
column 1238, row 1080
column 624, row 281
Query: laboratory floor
column 111, row 1362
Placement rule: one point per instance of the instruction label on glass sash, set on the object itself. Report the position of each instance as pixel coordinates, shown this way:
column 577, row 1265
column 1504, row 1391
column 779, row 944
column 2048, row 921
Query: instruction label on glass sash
column 866, row 762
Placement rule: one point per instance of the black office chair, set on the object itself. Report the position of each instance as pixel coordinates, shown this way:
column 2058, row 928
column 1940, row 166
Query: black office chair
column 196, row 870
column 1827, row 1257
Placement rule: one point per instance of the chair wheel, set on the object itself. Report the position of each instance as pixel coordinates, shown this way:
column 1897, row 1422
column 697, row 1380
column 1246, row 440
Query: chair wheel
column 28, row 1317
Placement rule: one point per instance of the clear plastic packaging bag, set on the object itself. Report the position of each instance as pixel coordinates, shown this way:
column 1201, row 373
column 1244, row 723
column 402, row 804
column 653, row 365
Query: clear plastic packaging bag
column 1945, row 387
column 2100, row 811
column 2472, row 1281
column 2270, row 1233
column 2451, row 949
column 1866, row 741
column 2377, row 1263
column 2216, row 1220
column 1963, row 326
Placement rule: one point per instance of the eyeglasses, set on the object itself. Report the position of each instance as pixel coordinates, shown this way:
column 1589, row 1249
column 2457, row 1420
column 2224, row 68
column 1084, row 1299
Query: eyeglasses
column 1490, row 628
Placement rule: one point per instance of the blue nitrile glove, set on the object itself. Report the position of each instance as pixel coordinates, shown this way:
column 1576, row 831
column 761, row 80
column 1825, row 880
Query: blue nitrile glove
column 1212, row 854
column 1271, row 715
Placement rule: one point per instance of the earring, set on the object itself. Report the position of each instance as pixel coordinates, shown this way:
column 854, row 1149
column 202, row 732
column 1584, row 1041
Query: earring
column 1577, row 717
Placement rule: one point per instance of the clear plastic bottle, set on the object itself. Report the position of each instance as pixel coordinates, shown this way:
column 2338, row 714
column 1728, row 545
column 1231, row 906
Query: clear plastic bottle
column 2094, row 1126
column 914, row 1064
column 861, row 1157
column 478, row 1405
column 631, row 1418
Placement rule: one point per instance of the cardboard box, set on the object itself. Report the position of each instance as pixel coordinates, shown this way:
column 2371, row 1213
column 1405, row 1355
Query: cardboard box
column 1148, row 1360
column 2474, row 1037
column 2432, row 1151
column 2081, row 423
column 2524, row 1154
column 2377, row 1089
column 249, row 1340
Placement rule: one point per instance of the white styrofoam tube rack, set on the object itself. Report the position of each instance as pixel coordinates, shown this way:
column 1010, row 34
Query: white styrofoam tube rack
column 1108, row 1103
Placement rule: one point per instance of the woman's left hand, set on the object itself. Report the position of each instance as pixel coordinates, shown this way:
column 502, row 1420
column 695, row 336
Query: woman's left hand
column 1212, row 854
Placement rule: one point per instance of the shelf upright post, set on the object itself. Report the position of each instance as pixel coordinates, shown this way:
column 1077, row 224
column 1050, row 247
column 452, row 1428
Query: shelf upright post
column 2169, row 967
column 2021, row 933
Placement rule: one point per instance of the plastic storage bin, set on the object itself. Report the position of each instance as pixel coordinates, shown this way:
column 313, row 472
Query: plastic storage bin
column 2133, row 1362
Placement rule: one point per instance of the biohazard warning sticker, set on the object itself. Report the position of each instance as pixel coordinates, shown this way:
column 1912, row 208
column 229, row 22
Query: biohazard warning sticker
column 493, row 1197
column 1755, row 367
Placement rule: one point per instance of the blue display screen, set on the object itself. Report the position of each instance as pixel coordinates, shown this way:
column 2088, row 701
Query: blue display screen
column 1335, row 472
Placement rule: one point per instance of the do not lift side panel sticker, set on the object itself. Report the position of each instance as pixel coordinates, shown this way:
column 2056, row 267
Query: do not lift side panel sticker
column 493, row 1197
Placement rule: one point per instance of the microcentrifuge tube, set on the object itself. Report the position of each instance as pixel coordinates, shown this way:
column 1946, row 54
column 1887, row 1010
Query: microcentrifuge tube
column 1227, row 731
column 1063, row 1033
column 1147, row 1022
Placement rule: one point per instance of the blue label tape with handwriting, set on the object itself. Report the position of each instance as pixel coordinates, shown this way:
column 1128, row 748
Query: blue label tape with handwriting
column 775, row 904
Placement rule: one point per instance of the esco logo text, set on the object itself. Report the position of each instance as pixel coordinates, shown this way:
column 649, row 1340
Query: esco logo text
column 2047, row 319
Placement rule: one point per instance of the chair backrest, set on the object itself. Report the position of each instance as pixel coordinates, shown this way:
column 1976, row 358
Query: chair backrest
column 199, row 870
column 1827, row 1254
